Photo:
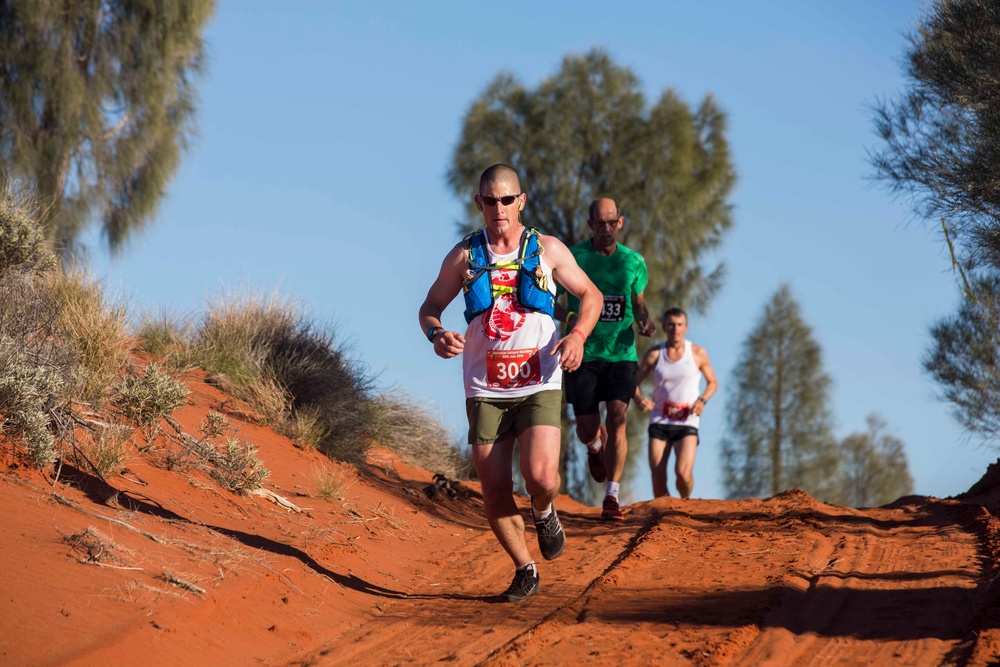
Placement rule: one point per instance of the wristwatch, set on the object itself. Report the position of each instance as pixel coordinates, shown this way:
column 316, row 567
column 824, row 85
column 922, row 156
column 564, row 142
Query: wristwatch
column 433, row 332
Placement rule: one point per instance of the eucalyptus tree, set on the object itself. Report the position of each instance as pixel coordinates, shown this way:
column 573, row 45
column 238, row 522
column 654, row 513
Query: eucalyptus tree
column 96, row 107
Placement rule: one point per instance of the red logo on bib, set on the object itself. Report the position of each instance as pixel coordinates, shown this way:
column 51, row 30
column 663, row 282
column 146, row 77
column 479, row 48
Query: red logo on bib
column 677, row 412
column 507, row 315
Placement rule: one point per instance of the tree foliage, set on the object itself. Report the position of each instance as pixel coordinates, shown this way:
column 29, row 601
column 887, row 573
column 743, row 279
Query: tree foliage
column 779, row 430
column 587, row 132
column 964, row 358
column 874, row 470
column 96, row 106
column 942, row 136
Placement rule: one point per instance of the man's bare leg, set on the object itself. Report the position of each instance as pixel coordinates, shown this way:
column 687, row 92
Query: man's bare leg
column 659, row 454
column 686, row 448
column 493, row 465
column 616, row 449
column 540, row 464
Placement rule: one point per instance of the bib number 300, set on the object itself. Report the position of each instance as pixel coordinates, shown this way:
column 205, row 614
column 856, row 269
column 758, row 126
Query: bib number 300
column 509, row 369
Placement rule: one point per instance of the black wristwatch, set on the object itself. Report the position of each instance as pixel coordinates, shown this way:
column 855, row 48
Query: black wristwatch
column 433, row 332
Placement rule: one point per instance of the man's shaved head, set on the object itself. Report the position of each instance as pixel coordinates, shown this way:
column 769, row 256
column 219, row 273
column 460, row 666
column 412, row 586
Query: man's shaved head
column 497, row 173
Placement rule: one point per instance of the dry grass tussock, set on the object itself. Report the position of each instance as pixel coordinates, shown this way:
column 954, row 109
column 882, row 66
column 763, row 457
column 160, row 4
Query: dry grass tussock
column 419, row 438
column 291, row 370
column 95, row 327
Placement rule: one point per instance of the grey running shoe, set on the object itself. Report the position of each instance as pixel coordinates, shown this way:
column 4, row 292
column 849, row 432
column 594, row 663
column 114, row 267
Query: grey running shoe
column 525, row 585
column 551, row 538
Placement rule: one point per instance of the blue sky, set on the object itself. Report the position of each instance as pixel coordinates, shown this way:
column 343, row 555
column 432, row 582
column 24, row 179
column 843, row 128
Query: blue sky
column 326, row 129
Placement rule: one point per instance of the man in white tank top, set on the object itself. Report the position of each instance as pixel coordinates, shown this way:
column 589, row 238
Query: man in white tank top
column 513, row 359
column 678, row 403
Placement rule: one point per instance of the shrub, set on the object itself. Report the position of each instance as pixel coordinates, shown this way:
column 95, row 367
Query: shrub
column 148, row 399
column 237, row 467
column 23, row 245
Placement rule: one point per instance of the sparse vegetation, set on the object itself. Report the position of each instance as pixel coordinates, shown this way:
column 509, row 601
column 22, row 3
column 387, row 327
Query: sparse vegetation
column 149, row 398
column 294, row 373
column 238, row 468
column 166, row 338
column 332, row 484
column 418, row 437
column 64, row 343
column 94, row 327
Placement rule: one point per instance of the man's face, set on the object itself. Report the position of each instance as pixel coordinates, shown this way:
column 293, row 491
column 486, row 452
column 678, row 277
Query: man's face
column 497, row 215
column 676, row 327
column 607, row 224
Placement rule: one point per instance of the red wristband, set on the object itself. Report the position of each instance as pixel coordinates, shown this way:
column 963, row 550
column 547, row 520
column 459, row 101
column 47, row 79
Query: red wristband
column 580, row 334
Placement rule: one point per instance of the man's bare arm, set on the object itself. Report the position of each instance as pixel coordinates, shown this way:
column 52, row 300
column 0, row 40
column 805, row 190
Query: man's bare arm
column 569, row 274
column 446, row 287
column 701, row 358
column 640, row 313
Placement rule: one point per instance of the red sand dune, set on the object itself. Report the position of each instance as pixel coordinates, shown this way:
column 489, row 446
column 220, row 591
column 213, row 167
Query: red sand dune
column 176, row 571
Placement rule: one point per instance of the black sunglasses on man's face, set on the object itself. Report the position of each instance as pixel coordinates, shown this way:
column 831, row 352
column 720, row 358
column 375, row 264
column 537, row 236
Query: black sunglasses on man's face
column 506, row 200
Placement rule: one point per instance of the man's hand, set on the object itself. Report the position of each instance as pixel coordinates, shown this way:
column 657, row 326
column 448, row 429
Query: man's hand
column 646, row 327
column 571, row 349
column 448, row 344
column 645, row 404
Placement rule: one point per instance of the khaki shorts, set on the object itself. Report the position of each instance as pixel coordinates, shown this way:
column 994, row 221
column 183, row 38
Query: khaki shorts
column 493, row 419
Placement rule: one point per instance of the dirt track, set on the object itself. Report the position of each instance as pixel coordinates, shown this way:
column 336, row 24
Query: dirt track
column 388, row 576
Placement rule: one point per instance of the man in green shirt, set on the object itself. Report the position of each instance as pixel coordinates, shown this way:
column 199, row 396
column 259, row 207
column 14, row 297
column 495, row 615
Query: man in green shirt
column 610, row 363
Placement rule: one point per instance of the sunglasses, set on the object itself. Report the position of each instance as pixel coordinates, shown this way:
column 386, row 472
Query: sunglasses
column 506, row 200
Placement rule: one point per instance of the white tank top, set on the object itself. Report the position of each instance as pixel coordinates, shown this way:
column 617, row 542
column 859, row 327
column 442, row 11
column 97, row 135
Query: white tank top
column 676, row 385
column 507, row 348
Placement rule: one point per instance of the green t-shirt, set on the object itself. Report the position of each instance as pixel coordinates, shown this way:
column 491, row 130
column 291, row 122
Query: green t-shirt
column 620, row 276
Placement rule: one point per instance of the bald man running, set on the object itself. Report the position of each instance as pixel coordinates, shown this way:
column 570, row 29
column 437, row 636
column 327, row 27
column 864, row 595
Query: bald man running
column 610, row 363
column 513, row 360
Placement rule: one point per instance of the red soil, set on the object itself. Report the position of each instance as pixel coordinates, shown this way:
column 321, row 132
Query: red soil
column 173, row 570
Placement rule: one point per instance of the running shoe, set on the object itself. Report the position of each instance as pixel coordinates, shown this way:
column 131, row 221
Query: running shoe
column 611, row 510
column 595, row 460
column 551, row 537
column 524, row 585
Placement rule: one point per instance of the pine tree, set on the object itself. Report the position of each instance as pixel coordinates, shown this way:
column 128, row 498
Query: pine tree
column 874, row 470
column 779, row 431
column 96, row 106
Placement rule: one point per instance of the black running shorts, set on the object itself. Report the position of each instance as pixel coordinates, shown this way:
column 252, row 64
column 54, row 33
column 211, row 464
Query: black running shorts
column 596, row 382
column 672, row 432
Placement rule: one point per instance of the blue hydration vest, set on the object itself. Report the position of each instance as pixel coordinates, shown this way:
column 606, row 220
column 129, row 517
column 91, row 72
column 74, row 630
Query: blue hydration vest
column 532, row 284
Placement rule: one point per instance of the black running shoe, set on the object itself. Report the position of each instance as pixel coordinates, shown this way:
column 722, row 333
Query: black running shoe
column 525, row 585
column 551, row 538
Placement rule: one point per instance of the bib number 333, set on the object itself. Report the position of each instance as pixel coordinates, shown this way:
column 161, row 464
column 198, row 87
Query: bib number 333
column 509, row 369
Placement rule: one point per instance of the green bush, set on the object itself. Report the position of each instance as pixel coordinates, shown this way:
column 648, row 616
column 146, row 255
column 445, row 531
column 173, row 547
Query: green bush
column 149, row 398
column 237, row 467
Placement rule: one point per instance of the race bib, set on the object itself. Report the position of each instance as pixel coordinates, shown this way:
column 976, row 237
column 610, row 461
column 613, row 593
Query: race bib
column 510, row 369
column 614, row 309
column 677, row 412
